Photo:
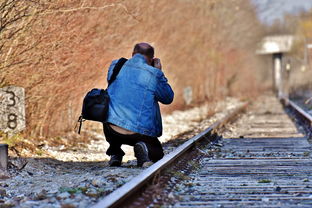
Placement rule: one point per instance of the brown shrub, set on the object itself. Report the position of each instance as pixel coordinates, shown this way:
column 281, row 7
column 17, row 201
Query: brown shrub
column 64, row 48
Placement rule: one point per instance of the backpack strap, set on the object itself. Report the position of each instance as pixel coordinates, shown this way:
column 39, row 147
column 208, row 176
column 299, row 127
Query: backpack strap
column 116, row 69
column 80, row 120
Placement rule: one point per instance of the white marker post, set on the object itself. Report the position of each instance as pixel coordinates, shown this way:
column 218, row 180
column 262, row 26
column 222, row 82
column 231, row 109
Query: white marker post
column 12, row 116
column 188, row 95
column 12, row 109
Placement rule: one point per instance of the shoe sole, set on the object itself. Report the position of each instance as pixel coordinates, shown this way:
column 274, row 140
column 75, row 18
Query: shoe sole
column 115, row 164
column 140, row 153
column 147, row 164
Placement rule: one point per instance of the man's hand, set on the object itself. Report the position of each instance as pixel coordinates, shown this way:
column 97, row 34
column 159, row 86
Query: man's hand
column 157, row 63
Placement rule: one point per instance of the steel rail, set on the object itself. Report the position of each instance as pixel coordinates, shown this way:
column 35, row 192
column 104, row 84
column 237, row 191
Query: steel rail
column 297, row 108
column 121, row 194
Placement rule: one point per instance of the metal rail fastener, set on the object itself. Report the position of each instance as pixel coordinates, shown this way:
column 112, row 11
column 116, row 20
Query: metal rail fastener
column 117, row 197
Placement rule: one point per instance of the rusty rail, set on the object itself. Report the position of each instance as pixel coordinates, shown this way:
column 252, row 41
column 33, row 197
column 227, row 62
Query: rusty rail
column 297, row 109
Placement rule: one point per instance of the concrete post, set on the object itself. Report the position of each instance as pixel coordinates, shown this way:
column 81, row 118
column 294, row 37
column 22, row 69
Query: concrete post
column 4, row 156
column 278, row 75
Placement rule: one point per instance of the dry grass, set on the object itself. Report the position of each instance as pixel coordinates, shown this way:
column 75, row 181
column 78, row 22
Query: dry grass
column 63, row 50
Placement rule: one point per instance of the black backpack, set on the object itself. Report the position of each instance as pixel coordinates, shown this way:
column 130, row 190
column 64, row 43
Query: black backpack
column 95, row 103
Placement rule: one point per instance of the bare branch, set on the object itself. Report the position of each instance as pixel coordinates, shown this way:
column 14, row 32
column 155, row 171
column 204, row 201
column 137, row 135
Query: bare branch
column 77, row 9
column 12, row 64
column 5, row 4
column 90, row 8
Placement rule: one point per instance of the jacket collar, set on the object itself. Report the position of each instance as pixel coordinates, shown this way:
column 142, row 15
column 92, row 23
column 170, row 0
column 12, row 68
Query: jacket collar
column 140, row 58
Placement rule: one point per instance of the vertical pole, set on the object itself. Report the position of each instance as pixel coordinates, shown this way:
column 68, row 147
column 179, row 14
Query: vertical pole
column 305, row 53
column 277, row 70
column 4, row 156
column 287, row 70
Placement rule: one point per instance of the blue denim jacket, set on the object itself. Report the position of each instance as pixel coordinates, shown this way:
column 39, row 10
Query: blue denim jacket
column 135, row 94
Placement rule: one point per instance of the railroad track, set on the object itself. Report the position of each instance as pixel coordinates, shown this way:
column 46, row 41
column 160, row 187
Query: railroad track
column 262, row 161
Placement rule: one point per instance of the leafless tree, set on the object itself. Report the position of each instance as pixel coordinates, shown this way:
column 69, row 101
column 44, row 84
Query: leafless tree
column 60, row 49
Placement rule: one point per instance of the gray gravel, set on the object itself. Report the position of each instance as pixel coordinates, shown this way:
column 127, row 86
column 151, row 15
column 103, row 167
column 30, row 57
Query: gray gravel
column 80, row 178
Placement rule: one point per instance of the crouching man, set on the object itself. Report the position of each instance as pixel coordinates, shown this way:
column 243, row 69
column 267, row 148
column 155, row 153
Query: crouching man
column 134, row 116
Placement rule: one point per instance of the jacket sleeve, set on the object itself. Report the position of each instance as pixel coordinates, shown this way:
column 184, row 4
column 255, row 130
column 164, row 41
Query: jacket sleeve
column 164, row 93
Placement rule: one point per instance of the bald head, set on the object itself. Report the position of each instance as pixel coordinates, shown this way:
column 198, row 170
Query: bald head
column 144, row 49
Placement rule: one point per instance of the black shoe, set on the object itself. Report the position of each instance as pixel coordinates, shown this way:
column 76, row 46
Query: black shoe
column 141, row 153
column 115, row 161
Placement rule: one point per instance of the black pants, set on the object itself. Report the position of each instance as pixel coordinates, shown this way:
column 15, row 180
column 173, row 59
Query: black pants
column 115, row 140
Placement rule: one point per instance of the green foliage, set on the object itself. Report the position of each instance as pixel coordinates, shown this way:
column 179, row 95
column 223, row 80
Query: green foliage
column 181, row 176
column 73, row 190
column 11, row 140
column 195, row 165
column 39, row 152
column 306, row 28
column 264, row 181
column 306, row 154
